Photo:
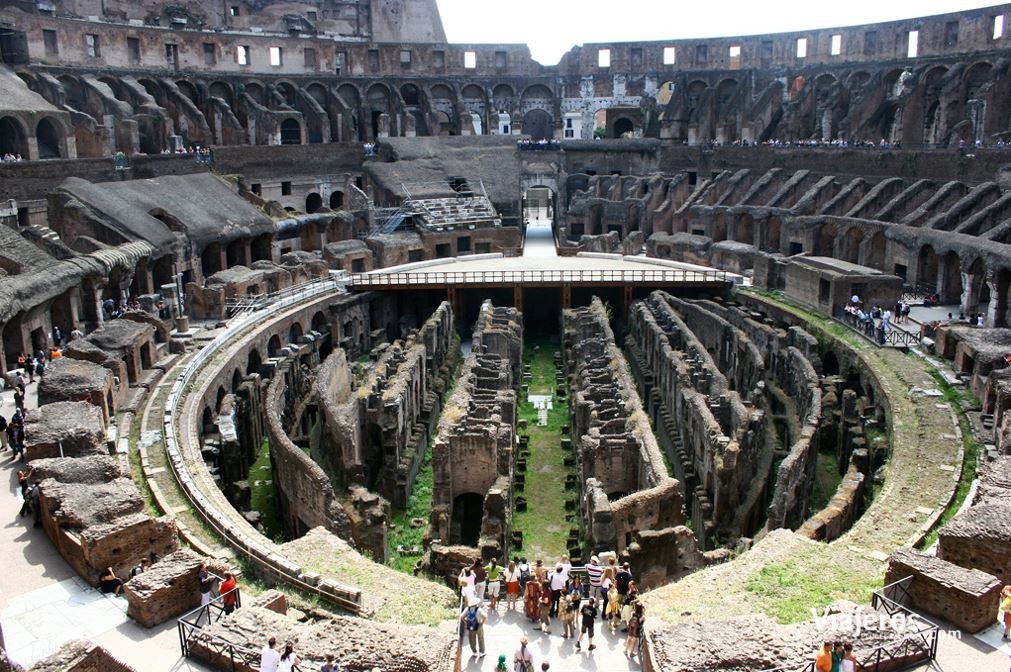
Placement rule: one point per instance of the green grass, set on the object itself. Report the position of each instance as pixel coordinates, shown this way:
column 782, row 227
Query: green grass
column 543, row 524
column 961, row 400
column 418, row 506
column 826, row 480
column 262, row 494
column 788, row 591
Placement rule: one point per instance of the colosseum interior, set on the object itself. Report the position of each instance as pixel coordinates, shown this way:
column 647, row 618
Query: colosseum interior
column 322, row 300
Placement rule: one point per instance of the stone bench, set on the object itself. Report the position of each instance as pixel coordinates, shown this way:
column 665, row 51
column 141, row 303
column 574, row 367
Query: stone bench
column 966, row 598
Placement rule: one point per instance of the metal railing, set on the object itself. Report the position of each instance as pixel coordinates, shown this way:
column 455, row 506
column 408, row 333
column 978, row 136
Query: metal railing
column 534, row 277
column 917, row 644
column 874, row 332
column 253, row 302
column 917, row 291
column 248, row 543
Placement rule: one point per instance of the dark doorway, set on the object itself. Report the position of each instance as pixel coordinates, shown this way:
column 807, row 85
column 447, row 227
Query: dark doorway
column 623, row 126
column 12, row 138
column 13, row 46
column 336, row 200
column 48, row 140
column 313, row 202
column 538, row 125
column 291, row 132
column 468, row 510
column 829, row 364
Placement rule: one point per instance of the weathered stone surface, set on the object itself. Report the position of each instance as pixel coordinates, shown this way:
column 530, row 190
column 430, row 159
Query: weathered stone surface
column 979, row 538
column 81, row 656
column 966, row 598
column 69, row 379
column 168, row 588
column 391, row 648
column 66, row 428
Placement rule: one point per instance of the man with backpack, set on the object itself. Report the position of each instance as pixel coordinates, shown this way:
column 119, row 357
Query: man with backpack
column 473, row 619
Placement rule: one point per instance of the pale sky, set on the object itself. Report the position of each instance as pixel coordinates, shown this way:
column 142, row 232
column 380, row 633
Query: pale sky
column 552, row 27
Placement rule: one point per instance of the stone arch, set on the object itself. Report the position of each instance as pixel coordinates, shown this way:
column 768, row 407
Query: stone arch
column 288, row 92
column 188, row 89
column 538, row 124
column 927, row 266
column 876, row 248
column 50, row 138
column 291, row 132
column 468, row 511
column 313, row 202
column 849, row 245
column 745, row 229
column 319, row 323
column 950, row 278
column 976, row 295
column 694, row 93
column 623, row 126
column 1001, row 317
column 829, row 364
column 856, row 80
column 933, row 110
column 116, row 88
column 503, row 97
column 254, row 362
column 295, row 332
column 274, row 346
column 349, row 94
column 976, row 76
column 318, row 92
column 73, row 92
column 13, row 137
column 152, row 87
column 825, row 242
column 336, row 199
column 664, row 93
column 223, row 91
column 377, row 98
column 411, row 94
column 475, row 102
column 210, row 259
column 236, row 380
column 537, row 96
column 255, row 91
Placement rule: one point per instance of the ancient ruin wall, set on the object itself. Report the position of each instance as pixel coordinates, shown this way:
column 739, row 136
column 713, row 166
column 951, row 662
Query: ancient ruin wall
column 473, row 452
column 724, row 449
column 626, row 487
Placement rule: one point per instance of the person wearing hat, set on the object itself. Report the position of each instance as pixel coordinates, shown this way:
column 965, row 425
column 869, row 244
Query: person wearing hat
column 523, row 659
column 1005, row 606
column 473, row 619
column 501, row 665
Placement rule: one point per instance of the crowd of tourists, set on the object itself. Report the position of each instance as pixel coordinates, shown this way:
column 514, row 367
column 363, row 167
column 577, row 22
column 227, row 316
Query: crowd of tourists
column 835, row 657
column 274, row 658
column 553, row 598
column 12, row 158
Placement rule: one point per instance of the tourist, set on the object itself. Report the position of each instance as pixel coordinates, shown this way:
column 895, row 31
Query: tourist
column 289, row 659
column 140, row 567
column 512, row 581
column 466, row 580
column 30, row 367
column 24, row 477
column 532, row 599
column 494, row 573
column 631, row 597
column 849, row 661
column 837, row 655
column 109, row 582
column 229, row 591
column 205, row 582
column 76, row 334
column 4, row 441
column 544, row 606
column 269, row 657
column 594, row 573
column 613, row 609
column 635, row 622
column 12, row 429
column 523, row 659
column 557, row 585
column 1005, row 607
column 473, row 619
column 605, row 588
column 524, row 568
column 40, row 366
column 566, row 566
column 823, row 659
column 500, row 666
column 566, row 615
column 576, row 585
column 540, row 571
column 589, row 615
column 329, row 665
column 19, row 432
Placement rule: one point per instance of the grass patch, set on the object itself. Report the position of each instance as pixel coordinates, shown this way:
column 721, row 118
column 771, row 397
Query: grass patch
column 787, row 591
column 960, row 399
column 418, row 506
column 543, row 524
column 826, row 480
column 262, row 494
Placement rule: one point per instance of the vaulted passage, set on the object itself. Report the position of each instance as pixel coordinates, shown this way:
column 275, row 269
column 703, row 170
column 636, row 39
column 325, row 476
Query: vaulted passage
column 468, row 510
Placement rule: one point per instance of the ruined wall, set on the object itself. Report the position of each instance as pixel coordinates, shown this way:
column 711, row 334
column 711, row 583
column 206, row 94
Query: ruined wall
column 625, row 483
column 473, row 453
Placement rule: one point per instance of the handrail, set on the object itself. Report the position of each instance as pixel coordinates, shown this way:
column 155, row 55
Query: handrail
column 909, row 650
column 893, row 336
column 489, row 277
column 253, row 548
